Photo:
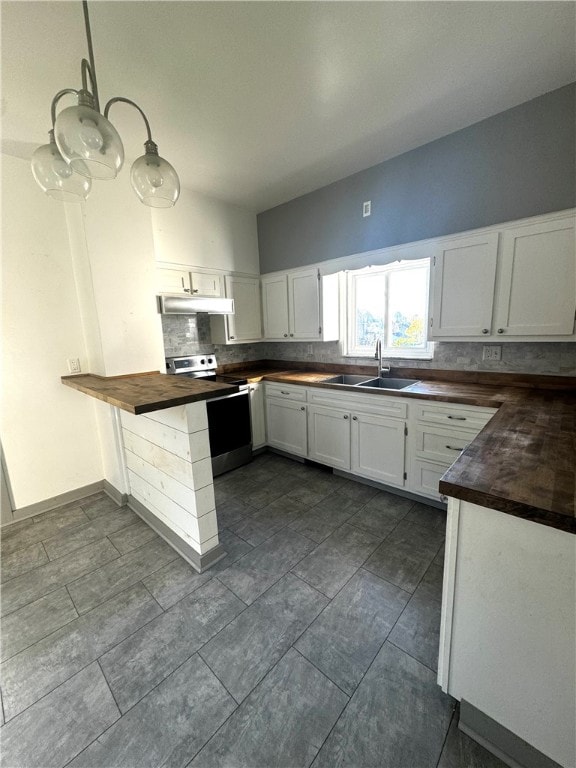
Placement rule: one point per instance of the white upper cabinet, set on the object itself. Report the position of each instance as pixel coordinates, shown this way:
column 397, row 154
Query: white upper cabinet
column 205, row 284
column 194, row 283
column 298, row 306
column 173, row 281
column 464, row 278
column 246, row 322
column 537, row 294
column 304, row 304
column 275, row 307
column 518, row 283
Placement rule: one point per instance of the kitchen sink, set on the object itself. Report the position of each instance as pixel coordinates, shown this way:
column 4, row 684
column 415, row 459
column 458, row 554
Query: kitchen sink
column 347, row 378
column 387, row 383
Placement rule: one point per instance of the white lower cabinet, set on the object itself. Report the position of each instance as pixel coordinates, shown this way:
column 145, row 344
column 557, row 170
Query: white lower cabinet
column 438, row 433
column 257, row 415
column 329, row 436
column 286, row 425
column 378, row 445
column 399, row 442
column 363, row 443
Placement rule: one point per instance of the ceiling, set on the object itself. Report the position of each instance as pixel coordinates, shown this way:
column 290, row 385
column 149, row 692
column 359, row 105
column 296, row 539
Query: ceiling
column 259, row 102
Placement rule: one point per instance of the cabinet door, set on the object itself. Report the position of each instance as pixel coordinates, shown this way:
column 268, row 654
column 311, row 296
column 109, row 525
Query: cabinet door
column 246, row 322
column 173, row 281
column 537, row 294
column 424, row 478
column 204, row 284
column 275, row 307
column 286, row 426
column 329, row 436
column 304, row 304
column 257, row 415
column 378, row 448
column 464, row 276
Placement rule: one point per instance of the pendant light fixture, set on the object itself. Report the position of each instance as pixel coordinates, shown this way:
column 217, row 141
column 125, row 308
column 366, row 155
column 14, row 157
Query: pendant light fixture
column 84, row 145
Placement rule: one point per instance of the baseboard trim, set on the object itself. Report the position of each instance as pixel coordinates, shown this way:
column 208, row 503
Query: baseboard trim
column 199, row 562
column 114, row 493
column 59, row 501
column 498, row 740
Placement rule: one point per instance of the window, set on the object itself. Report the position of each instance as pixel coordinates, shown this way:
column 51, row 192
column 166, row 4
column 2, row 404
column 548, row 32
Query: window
column 389, row 303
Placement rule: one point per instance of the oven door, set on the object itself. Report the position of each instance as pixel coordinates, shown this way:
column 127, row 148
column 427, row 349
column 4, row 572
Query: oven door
column 230, row 431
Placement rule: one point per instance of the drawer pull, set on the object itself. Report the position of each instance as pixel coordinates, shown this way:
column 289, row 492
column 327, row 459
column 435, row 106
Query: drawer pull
column 283, row 392
column 457, row 418
column 345, row 416
column 453, row 448
column 302, row 408
column 354, row 418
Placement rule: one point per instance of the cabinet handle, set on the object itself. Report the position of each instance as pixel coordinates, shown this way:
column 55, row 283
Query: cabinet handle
column 443, row 498
column 283, row 392
column 485, row 330
column 453, row 448
column 186, row 290
column 232, row 337
column 302, row 408
column 346, row 416
column 457, row 418
column 500, row 330
column 291, row 334
column 251, row 389
column 196, row 290
column 285, row 335
column 354, row 418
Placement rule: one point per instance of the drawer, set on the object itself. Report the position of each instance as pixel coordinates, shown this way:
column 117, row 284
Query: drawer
column 465, row 416
column 286, row 392
column 424, row 478
column 438, row 444
column 359, row 402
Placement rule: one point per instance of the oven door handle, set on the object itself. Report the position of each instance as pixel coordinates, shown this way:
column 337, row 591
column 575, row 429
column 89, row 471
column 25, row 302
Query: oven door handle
column 241, row 393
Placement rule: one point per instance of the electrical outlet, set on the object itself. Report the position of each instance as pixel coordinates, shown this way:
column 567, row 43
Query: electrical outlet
column 493, row 352
column 367, row 208
column 74, row 365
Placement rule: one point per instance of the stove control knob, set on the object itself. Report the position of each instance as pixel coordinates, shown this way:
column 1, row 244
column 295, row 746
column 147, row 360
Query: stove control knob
column 210, row 361
column 202, row 361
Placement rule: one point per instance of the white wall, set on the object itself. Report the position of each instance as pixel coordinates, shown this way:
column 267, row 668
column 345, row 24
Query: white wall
column 48, row 431
column 121, row 258
column 203, row 232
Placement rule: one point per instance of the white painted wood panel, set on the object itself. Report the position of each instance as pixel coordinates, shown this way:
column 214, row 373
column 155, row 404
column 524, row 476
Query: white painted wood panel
column 439, row 444
column 205, row 284
column 185, row 418
column 172, row 281
column 257, row 416
column 173, row 465
column 183, row 493
column 165, row 437
column 424, row 476
column 199, row 533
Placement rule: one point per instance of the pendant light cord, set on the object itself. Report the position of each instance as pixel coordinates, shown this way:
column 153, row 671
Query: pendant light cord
column 92, row 67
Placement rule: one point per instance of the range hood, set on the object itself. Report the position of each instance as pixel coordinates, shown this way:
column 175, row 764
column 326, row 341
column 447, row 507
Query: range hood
column 176, row 304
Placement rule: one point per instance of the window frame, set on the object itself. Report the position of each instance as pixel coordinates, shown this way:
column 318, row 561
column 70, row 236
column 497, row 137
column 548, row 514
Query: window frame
column 426, row 352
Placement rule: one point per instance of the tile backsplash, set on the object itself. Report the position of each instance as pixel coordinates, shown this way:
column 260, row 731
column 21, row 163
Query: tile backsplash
column 190, row 334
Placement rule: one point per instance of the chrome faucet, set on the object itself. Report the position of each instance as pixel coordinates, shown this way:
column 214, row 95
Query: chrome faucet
column 378, row 356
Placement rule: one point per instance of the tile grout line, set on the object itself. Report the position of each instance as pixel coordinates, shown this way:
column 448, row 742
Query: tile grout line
column 234, row 699
column 308, row 661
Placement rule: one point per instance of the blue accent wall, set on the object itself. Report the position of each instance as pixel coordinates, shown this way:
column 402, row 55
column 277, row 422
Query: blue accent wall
column 518, row 163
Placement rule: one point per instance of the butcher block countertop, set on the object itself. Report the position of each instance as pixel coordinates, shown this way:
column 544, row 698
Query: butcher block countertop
column 522, row 463
column 147, row 392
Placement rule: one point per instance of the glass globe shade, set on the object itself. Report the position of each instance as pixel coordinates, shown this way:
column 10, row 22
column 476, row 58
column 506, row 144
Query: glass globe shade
column 89, row 142
column 56, row 177
column 155, row 181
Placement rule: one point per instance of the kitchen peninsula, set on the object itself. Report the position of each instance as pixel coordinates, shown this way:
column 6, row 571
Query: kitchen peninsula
column 165, row 450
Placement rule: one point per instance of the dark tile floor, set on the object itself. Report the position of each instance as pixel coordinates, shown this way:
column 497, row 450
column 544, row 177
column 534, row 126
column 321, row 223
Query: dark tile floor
column 314, row 642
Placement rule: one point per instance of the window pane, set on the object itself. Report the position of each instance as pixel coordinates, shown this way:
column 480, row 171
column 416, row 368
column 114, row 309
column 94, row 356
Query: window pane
column 370, row 311
column 407, row 300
